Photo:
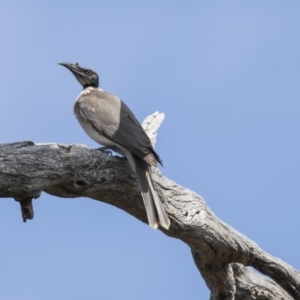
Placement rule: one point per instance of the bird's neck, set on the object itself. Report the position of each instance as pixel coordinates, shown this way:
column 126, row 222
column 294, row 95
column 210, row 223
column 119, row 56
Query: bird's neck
column 90, row 85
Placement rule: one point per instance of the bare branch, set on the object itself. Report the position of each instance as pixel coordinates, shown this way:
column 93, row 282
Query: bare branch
column 151, row 124
column 219, row 251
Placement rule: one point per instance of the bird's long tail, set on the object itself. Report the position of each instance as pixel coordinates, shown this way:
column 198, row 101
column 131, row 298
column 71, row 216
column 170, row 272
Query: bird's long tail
column 155, row 211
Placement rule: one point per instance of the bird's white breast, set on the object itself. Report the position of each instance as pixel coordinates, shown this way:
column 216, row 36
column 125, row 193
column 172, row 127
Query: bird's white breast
column 88, row 128
column 87, row 91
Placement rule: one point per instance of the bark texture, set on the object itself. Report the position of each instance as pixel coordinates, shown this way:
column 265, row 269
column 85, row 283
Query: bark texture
column 222, row 254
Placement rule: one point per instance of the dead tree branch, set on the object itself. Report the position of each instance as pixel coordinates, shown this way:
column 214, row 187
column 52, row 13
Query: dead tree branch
column 221, row 254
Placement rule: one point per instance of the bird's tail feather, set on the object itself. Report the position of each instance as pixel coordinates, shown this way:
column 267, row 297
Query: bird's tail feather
column 155, row 211
column 163, row 218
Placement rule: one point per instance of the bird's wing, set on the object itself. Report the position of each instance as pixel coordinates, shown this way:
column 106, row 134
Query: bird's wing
column 111, row 118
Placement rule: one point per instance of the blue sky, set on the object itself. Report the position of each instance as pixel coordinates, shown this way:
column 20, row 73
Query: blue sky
column 226, row 75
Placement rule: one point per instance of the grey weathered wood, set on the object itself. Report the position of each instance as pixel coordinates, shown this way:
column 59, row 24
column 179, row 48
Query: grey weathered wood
column 221, row 253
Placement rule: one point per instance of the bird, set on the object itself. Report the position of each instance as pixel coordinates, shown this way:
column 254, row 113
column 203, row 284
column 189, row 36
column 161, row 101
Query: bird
column 109, row 121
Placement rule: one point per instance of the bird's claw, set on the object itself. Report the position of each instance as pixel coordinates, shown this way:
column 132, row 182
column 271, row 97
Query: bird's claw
column 105, row 150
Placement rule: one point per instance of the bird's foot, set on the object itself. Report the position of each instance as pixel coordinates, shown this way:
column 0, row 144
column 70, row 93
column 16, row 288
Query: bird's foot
column 105, row 150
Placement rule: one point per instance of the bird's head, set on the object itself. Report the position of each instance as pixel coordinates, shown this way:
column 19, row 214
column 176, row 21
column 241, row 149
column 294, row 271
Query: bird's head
column 86, row 77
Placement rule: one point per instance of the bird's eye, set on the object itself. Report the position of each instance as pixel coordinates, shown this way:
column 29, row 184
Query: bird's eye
column 88, row 72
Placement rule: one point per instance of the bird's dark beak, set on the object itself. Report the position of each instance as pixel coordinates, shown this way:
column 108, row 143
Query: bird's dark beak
column 74, row 68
